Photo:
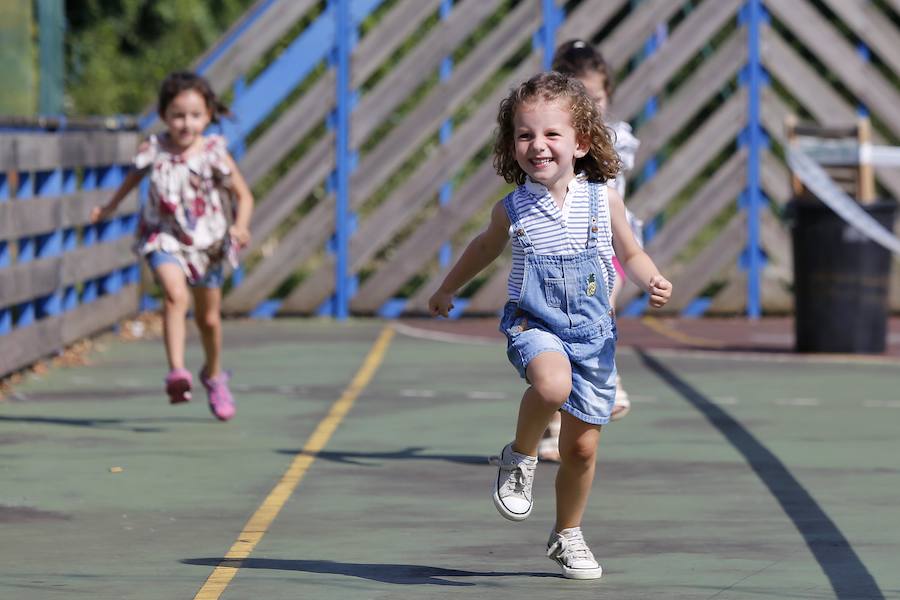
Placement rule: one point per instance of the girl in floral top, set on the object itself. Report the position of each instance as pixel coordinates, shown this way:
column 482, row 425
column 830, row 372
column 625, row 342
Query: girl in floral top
column 196, row 217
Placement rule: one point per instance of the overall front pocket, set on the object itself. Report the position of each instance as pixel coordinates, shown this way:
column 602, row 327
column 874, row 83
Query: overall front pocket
column 555, row 291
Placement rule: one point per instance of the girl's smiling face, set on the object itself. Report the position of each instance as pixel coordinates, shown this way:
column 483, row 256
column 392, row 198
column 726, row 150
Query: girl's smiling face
column 546, row 144
column 187, row 117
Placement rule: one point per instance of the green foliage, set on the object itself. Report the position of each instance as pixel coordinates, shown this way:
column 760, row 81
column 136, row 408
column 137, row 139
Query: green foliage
column 119, row 50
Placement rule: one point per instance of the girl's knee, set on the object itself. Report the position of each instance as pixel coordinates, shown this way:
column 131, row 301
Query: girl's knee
column 581, row 453
column 209, row 320
column 178, row 299
column 552, row 386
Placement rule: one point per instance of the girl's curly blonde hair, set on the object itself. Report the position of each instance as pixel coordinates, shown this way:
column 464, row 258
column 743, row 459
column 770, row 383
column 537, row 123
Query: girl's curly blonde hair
column 601, row 161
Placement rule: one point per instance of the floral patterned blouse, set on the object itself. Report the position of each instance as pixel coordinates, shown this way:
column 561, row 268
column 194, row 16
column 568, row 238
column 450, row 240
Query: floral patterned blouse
column 190, row 205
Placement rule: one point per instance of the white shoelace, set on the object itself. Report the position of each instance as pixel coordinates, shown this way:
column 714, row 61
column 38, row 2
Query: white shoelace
column 518, row 477
column 570, row 549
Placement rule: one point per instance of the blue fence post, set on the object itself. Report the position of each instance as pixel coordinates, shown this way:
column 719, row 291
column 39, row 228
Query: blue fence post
column 754, row 139
column 25, row 191
column 70, row 238
column 47, row 245
column 5, row 312
column 552, row 17
column 445, row 255
column 343, row 41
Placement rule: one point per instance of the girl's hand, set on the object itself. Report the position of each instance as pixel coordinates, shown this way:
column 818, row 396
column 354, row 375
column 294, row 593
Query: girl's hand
column 101, row 213
column 660, row 290
column 240, row 234
column 440, row 304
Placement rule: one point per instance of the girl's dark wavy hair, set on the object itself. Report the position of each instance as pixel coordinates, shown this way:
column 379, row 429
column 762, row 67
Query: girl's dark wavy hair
column 601, row 161
column 577, row 57
column 181, row 81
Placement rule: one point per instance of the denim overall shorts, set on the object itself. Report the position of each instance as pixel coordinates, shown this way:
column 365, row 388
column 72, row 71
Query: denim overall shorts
column 564, row 307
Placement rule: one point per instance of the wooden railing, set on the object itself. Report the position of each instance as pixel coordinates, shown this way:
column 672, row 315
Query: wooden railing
column 62, row 279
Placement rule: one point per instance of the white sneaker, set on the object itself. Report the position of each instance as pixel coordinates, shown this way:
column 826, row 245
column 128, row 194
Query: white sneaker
column 569, row 550
column 513, row 486
column 622, row 404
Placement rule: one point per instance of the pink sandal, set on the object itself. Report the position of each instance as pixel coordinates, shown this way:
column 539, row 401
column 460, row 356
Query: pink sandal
column 178, row 385
column 221, row 402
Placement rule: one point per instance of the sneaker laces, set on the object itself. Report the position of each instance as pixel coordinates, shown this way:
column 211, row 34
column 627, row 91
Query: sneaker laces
column 518, row 477
column 570, row 548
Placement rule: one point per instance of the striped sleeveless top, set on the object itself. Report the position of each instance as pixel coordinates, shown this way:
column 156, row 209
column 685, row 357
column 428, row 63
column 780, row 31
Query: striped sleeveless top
column 558, row 231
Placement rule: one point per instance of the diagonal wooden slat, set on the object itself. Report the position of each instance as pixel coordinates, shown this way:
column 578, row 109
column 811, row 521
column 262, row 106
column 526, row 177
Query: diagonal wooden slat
column 869, row 24
column 706, row 142
column 424, row 243
column 717, row 193
column 651, row 77
column 375, row 168
column 807, row 86
column 689, row 281
column 696, row 91
column 837, row 54
column 402, row 205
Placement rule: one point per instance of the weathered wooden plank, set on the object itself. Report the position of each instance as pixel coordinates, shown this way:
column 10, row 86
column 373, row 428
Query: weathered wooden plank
column 375, row 168
column 587, row 18
column 490, row 297
column 629, row 37
column 22, row 347
column 706, row 142
column 313, row 107
column 68, row 149
column 651, row 77
column 807, row 86
column 403, row 19
column 416, row 67
column 295, row 123
column 403, row 204
column 837, row 54
column 294, row 248
column 424, row 243
column 721, row 189
column 869, row 24
column 291, row 190
column 696, row 92
column 690, row 280
column 239, row 57
column 38, row 278
column 775, row 179
column 23, row 218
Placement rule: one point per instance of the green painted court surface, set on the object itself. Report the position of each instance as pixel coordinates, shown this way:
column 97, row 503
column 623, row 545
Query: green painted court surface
column 733, row 477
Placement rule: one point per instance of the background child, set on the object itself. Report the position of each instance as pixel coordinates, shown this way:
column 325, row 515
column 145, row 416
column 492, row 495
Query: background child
column 565, row 224
column 186, row 231
column 581, row 60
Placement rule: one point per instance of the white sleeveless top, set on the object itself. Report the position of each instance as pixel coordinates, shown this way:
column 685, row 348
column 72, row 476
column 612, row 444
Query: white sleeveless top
column 558, row 231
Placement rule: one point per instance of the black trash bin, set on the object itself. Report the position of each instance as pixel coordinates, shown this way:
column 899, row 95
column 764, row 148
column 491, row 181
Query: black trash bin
column 841, row 280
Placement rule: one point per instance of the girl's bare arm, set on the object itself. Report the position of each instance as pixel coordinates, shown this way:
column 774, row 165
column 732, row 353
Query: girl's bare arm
column 637, row 264
column 480, row 252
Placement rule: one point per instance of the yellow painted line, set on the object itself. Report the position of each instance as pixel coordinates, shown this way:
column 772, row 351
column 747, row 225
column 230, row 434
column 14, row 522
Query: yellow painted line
column 256, row 527
column 673, row 334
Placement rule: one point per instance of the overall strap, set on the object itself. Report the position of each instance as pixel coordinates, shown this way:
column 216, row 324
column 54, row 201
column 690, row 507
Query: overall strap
column 594, row 230
column 516, row 226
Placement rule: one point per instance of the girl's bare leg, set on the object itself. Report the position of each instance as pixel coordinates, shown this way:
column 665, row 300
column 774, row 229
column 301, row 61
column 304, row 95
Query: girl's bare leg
column 578, row 457
column 550, row 375
column 208, row 304
column 175, row 306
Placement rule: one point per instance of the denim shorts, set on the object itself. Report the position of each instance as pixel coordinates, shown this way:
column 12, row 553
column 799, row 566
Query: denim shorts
column 592, row 361
column 213, row 279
